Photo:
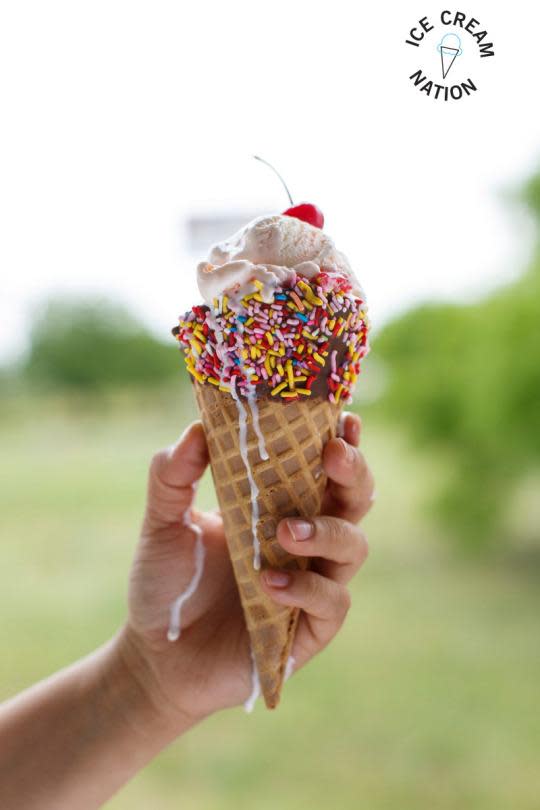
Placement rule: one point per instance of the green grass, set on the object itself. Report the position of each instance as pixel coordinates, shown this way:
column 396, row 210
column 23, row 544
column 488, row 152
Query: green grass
column 428, row 698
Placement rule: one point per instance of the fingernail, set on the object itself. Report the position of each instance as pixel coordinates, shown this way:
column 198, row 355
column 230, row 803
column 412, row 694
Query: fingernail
column 355, row 429
column 277, row 579
column 349, row 423
column 300, row 529
column 348, row 454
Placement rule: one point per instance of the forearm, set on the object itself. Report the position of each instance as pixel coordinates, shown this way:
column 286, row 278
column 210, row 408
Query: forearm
column 74, row 739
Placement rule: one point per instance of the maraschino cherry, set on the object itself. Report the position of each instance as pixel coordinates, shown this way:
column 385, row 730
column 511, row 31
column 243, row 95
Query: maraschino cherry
column 305, row 211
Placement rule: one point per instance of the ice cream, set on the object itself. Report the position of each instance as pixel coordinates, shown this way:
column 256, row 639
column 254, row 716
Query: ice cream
column 272, row 249
column 274, row 352
column 282, row 307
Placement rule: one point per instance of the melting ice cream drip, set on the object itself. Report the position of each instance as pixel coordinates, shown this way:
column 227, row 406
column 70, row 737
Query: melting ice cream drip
column 255, row 682
column 224, row 356
column 242, row 435
column 289, row 667
column 252, row 400
column 234, row 304
column 255, row 686
column 176, row 608
column 256, row 425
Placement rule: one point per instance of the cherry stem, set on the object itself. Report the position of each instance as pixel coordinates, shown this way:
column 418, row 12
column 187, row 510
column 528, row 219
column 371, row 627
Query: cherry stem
column 278, row 174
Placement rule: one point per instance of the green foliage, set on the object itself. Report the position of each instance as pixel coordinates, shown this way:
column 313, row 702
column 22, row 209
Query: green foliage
column 531, row 196
column 92, row 344
column 467, row 378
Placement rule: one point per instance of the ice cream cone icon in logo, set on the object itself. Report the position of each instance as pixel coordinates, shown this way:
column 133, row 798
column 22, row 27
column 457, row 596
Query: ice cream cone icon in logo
column 449, row 48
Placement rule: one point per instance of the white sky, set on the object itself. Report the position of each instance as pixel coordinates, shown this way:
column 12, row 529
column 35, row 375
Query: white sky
column 121, row 117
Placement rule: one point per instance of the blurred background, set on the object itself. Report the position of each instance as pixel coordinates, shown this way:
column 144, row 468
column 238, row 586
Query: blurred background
column 125, row 150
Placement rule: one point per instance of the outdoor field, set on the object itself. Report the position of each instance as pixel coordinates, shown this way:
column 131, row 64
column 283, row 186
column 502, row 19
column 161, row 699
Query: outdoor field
column 427, row 699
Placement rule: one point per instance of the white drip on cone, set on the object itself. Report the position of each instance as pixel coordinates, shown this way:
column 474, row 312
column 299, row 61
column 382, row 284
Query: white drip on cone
column 249, row 705
column 175, row 627
column 289, row 667
column 254, row 489
column 263, row 452
column 242, row 429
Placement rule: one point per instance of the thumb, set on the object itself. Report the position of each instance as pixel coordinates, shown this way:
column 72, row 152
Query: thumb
column 173, row 474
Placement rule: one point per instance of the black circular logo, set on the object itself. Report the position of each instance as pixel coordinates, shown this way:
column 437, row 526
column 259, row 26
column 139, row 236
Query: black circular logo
column 446, row 52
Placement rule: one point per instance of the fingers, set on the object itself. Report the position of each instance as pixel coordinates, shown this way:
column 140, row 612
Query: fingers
column 341, row 546
column 350, row 427
column 350, row 482
column 172, row 478
column 325, row 602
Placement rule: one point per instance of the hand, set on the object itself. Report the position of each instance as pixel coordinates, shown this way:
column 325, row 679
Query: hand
column 209, row 667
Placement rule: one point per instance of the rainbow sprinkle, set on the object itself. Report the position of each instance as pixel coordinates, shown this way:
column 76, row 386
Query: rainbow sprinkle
column 314, row 329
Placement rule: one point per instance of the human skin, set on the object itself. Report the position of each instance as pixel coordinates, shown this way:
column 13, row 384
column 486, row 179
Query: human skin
column 74, row 739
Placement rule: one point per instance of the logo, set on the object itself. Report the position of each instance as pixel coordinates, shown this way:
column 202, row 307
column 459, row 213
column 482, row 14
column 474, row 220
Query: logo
column 453, row 42
column 449, row 53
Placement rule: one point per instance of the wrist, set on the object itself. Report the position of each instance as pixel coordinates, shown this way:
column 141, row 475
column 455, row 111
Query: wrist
column 135, row 671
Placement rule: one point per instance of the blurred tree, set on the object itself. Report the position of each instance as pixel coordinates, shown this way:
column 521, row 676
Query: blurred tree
column 94, row 344
column 468, row 378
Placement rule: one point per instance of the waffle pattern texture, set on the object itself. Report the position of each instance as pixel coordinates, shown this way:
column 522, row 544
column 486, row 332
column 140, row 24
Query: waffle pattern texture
column 291, row 483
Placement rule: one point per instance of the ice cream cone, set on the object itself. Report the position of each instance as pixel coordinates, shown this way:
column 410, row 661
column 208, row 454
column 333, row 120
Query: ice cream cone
column 274, row 352
column 291, row 482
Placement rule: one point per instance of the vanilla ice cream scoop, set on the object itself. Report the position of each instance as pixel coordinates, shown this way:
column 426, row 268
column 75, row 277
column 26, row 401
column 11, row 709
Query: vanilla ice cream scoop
column 272, row 249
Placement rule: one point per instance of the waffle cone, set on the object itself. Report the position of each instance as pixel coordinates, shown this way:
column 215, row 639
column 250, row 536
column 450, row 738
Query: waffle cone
column 291, row 483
